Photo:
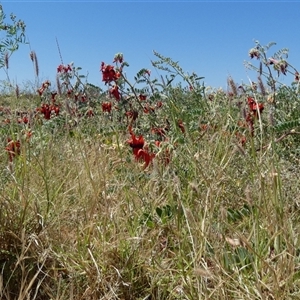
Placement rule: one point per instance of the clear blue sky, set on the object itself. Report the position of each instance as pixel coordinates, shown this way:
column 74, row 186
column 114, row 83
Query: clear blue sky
column 211, row 38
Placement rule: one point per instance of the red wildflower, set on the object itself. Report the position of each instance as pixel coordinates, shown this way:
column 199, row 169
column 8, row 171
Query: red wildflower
column 90, row 113
column 106, row 107
column 255, row 107
column 136, row 143
column 64, row 69
column 132, row 114
column 53, row 94
column 181, row 126
column 115, row 92
column 108, row 73
column 159, row 104
column 44, row 86
column 69, row 93
column 148, row 108
column 157, row 143
column 28, row 135
column 40, row 91
column 55, row 109
column 167, row 157
column 47, row 109
column 144, row 155
column 204, row 127
column 13, row 148
column 251, row 103
column 142, row 97
column 23, row 120
column 241, row 138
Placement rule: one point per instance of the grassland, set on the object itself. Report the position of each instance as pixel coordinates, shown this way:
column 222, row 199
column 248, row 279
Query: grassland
column 173, row 191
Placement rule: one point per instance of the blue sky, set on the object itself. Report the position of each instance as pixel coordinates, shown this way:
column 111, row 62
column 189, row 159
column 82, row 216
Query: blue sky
column 210, row 38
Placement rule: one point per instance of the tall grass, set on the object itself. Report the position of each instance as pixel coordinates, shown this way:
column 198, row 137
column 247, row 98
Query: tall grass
column 213, row 216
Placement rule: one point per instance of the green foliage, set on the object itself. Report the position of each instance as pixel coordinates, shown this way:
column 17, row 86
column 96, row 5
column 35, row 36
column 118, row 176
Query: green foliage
column 174, row 69
column 288, row 126
column 12, row 35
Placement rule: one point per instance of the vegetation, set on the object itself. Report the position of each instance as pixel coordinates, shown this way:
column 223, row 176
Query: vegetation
column 150, row 189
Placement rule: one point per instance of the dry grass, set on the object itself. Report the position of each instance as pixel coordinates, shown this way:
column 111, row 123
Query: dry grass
column 81, row 219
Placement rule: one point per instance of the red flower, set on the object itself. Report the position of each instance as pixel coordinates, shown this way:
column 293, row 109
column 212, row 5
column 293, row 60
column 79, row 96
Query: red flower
column 90, row 113
column 241, row 138
column 139, row 152
column 44, row 86
column 250, row 122
column 181, row 126
column 47, row 109
column 13, row 148
column 144, row 155
column 132, row 114
column 115, row 92
column 142, row 97
column 23, row 120
column 159, row 104
column 28, row 135
column 148, row 108
column 251, row 103
column 255, row 107
column 40, row 91
column 136, row 143
column 53, row 94
column 108, row 73
column 258, row 107
column 64, row 69
column 69, row 93
column 55, row 109
column 106, row 107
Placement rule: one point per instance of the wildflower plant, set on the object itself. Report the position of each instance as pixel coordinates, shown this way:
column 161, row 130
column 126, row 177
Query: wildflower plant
column 150, row 188
column 12, row 35
column 283, row 100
